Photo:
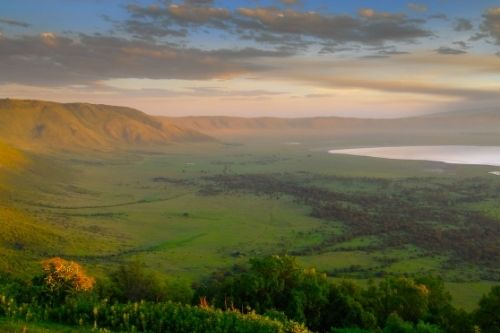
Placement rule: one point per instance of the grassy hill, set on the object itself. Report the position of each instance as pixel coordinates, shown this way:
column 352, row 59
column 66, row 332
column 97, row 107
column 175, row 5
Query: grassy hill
column 37, row 125
column 11, row 159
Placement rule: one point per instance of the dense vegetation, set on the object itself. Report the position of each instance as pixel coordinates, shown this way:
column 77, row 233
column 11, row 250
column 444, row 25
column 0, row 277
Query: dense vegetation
column 269, row 294
column 431, row 215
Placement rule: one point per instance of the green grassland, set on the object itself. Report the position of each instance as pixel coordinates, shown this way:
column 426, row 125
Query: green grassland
column 162, row 207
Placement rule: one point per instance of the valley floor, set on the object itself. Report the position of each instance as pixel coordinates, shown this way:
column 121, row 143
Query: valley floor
column 189, row 211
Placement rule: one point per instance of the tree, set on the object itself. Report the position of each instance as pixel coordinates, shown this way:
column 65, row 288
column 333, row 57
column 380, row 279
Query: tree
column 345, row 309
column 488, row 314
column 133, row 282
column 272, row 283
column 62, row 278
column 401, row 296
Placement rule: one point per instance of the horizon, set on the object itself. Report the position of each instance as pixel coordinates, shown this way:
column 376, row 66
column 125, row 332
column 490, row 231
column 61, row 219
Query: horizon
column 250, row 59
column 237, row 116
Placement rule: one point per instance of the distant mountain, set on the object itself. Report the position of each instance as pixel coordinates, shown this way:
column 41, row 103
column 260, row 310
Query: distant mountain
column 39, row 125
column 30, row 124
column 481, row 122
column 215, row 124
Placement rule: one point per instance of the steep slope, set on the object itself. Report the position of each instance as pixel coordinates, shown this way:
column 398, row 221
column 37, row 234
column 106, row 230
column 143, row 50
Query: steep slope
column 37, row 125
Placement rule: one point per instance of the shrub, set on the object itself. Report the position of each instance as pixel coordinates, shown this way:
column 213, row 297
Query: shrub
column 133, row 282
column 148, row 317
column 62, row 278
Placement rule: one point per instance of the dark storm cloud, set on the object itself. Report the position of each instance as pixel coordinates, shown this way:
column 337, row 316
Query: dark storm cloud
column 449, row 51
column 491, row 23
column 14, row 23
column 49, row 59
column 462, row 24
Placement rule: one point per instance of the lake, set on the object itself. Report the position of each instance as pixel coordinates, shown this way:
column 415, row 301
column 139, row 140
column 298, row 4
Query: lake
column 477, row 155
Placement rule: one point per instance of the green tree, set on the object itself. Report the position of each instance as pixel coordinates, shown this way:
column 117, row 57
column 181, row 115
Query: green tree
column 401, row 296
column 133, row 282
column 344, row 308
column 488, row 314
column 272, row 283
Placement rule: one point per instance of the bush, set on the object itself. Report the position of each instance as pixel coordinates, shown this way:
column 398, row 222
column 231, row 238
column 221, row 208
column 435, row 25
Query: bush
column 148, row 317
column 60, row 279
column 397, row 325
column 133, row 282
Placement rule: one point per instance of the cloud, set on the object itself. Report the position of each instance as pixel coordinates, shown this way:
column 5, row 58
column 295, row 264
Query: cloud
column 200, row 2
column 197, row 14
column 289, row 2
column 398, row 86
column 369, row 13
column 220, row 92
column 449, row 51
column 371, row 27
column 283, row 25
column 461, row 74
column 385, row 53
column 149, row 30
column 417, row 7
column 462, row 24
column 190, row 12
column 54, row 60
column 438, row 16
column 491, row 23
column 14, row 23
column 49, row 39
column 461, row 44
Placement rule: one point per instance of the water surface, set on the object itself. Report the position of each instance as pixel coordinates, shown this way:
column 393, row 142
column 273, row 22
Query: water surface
column 478, row 155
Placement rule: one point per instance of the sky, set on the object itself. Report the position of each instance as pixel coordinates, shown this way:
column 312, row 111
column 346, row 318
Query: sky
column 253, row 58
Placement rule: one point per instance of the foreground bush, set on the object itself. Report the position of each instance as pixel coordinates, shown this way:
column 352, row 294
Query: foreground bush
column 148, row 317
column 271, row 294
